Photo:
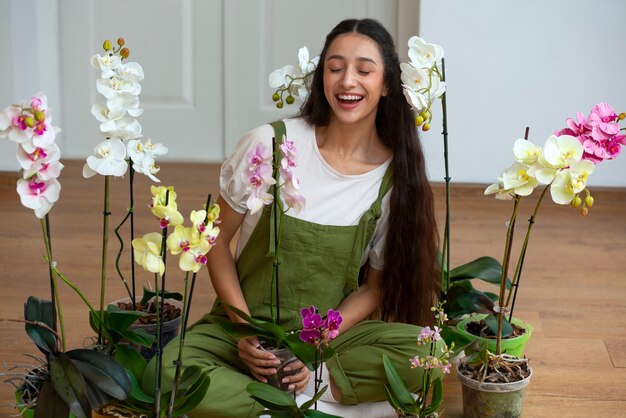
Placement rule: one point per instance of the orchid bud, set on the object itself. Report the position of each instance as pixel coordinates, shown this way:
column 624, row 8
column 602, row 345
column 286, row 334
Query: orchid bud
column 576, row 201
column 425, row 114
column 124, row 53
column 584, row 211
column 290, row 99
column 39, row 116
column 107, row 45
column 622, row 116
column 29, row 121
column 275, row 97
column 279, row 105
column 120, row 41
column 419, row 121
column 589, row 201
column 425, row 127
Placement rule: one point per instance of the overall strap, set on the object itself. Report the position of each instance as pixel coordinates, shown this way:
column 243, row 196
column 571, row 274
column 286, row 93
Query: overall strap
column 280, row 131
column 365, row 230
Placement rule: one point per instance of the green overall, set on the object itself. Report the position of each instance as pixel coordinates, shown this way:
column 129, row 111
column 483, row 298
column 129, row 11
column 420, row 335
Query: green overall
column 319, row 265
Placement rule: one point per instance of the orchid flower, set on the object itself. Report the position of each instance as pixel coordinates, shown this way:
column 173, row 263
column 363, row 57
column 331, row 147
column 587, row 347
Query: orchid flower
column 42, row 161
column 106, row 63
column 423, row 54
column 147, row 252
column 519, row 178
column 143, row 155
column 167, row 214
column 109, row 159
column 568, row 183
column 39, row 194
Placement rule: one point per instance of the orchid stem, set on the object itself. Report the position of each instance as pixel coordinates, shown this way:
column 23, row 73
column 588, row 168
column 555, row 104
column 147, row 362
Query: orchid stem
column 159, row 354
column 159, row 364
column 447, row 178
column 56, row 301
column 520, row 262
column 505, row 268
column 179, row 361
column 105, row 241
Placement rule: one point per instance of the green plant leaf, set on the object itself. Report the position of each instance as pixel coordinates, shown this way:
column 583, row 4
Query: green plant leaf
column 270, row 397
column 38, row 310
column 192, row 389
column 476, row 301
column 103, row 372
column 437, row 397
column 149, row 294
column 50, row 404
column 484, row 268
column 397, row 387
column 239, row 330
column 451, row 335
column 492, row 323
column 318, row 414
column 137, row 336
column 131, row 360
column 69, row 384
column 137, row 392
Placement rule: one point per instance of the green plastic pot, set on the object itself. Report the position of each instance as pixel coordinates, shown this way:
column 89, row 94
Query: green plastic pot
column 513, row 346
column 492, row 400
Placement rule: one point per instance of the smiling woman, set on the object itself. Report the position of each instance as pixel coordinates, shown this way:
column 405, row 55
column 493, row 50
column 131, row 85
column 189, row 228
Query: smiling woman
column 364, row 243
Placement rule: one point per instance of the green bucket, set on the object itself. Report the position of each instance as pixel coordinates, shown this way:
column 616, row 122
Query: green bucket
column 512, row 346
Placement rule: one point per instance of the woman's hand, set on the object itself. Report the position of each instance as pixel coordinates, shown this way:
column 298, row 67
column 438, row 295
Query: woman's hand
column 299, row 380
column 261, row 363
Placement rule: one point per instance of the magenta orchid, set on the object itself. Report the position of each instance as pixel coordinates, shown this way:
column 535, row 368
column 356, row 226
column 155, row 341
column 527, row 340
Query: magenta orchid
column 599, row 133
column 258, row 175
column 315, row 330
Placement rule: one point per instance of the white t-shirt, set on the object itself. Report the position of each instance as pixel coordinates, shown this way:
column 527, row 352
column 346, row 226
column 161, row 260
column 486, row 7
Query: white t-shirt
column 331, row 198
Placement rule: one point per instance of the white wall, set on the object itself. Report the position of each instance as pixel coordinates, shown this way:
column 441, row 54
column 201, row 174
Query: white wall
column 29, row 32
column 515, row 64
column 509, row 65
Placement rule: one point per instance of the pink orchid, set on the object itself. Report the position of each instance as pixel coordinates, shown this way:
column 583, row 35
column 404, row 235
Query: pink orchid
column 310, row 318
column 602, row 112
column 332, row 322
column 425, row 334
column 415, row 362
column 312, row 337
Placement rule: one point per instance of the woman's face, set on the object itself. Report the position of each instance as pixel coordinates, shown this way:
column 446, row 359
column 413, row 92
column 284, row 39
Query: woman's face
column 353, row 78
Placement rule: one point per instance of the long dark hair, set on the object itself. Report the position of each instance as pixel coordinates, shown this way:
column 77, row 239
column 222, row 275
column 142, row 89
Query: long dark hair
column 410, row 280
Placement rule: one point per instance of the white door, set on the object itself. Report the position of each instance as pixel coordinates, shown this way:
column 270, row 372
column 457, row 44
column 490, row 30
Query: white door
column 206, row 62
column 179, row 45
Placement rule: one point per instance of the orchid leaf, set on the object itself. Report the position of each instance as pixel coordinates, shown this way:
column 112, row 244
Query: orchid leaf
column 50, row 404
column 476, row 301
column 37, row 310
column 131, row 360
column 437, row 398
column 452, row 335
column 487, row 269
column 306, row 405
column 103, row 372
column 70, row 384
column 149, row 294
column 136, row 391
column 492, row 323
column 192, row 389
column 270, row 397
column 397, row 388
column 312, row 413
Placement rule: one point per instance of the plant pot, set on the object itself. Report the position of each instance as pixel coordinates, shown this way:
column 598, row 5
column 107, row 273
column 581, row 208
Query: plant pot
column 492, row 400
column 513, row 346
column 170, row 329
column 286, row 357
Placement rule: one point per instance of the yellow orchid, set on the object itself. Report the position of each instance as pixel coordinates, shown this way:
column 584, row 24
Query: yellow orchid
column 167, row 214
column 147, row 252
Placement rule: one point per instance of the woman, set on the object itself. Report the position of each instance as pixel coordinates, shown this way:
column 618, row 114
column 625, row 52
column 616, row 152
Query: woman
column 369, row 208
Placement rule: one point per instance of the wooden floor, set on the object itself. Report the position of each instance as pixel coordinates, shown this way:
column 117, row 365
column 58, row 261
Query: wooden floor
column 573, row 290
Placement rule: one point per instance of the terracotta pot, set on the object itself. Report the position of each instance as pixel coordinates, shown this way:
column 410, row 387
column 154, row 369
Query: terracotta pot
column 492, row 400
column 170, row 329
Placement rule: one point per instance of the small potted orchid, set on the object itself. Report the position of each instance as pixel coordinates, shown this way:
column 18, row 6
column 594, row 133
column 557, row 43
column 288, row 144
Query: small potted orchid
column 427, row 400
column 317, row 332
column 561, row 166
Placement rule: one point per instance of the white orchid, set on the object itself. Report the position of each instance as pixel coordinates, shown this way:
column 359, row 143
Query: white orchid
column 107, row 64
column 307, row 65
column 518, row 179
column 124, row 103
column 38, row 194
column 7, row 116
column 499, row 190
column 131, row 71
column 109, row 159
column 143, row 155
column 44, row 162
column 569, row 182
column 525, row 151
column 557, row 153
column 423, row 54
column 109, row 87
